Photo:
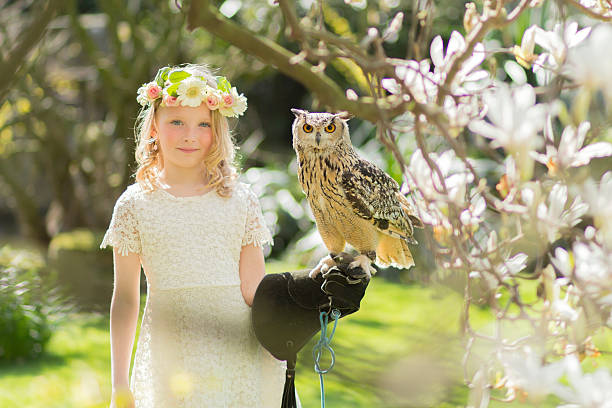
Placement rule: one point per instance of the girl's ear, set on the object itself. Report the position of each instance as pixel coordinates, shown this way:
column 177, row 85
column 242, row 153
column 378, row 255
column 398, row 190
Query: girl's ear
column 298, row 112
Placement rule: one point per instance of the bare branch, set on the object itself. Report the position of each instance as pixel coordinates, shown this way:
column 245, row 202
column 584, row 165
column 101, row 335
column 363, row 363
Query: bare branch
column 29, row 38
column 588, row 11
column 202, row 14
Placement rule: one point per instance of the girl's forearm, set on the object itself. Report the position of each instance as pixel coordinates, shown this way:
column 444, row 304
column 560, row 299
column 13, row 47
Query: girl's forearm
column 123, row 321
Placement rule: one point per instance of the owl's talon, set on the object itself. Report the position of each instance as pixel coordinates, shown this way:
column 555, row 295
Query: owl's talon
column 363, row 262
column 322, row 267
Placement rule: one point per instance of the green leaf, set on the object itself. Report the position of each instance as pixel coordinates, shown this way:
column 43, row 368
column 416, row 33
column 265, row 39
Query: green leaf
column 162, row 76
column 223, row 84
column 172, row 89
column 178, row 76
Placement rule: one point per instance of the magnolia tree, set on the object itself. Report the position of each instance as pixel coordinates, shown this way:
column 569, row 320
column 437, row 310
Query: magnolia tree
column 506, row 171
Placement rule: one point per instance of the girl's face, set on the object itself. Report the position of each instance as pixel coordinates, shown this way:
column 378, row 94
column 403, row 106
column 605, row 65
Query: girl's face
column 184, row 134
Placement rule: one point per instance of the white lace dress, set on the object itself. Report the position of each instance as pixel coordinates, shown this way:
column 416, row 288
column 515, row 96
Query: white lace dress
column 196, row 346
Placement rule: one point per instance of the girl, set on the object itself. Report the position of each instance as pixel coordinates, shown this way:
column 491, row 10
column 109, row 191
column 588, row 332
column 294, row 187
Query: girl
column 198, row 234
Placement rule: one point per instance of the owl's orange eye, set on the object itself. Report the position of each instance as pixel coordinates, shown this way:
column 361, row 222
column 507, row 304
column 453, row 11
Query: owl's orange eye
column 330, row 128
column 307, row 128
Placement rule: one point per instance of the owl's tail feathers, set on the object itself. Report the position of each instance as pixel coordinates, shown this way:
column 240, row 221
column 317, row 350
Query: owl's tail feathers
column 393, row 251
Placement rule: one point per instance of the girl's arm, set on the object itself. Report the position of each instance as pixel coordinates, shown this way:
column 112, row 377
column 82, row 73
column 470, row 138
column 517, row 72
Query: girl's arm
column 125, row 306
column 252, row 271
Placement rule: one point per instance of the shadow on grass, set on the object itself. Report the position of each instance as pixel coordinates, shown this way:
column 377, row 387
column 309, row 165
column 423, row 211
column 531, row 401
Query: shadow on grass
column 34, row 367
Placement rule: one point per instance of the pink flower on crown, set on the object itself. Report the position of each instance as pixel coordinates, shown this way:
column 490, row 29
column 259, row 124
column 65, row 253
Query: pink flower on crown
column 212, row 99
column 153, row 91
column 170, row 100
column 228, row 100
column 237, row 106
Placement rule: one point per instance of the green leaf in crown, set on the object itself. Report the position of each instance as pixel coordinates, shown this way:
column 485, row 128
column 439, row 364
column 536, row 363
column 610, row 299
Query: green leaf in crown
column 224, row 85
column 172, row 89
column 162, row 76
column 178, row 76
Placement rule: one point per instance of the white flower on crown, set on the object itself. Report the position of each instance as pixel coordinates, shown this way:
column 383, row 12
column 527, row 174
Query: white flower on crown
column 191, row 91
column 142, row 95
column 232, row 104
column 236, row 104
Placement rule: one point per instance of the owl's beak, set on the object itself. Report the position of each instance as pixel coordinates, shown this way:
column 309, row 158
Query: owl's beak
column 318, row 137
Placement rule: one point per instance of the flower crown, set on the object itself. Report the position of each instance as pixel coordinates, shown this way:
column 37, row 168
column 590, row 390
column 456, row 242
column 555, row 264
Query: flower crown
column 179, row 87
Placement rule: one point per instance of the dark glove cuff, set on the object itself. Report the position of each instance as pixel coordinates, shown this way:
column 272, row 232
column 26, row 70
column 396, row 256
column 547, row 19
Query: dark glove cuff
column 285, row 313
column 286, row 307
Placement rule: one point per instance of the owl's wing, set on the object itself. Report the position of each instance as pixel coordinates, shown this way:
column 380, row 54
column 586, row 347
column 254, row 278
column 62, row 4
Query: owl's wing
column 375, row 196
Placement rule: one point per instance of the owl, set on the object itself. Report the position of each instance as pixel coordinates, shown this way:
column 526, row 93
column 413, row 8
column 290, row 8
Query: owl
column 352, row 200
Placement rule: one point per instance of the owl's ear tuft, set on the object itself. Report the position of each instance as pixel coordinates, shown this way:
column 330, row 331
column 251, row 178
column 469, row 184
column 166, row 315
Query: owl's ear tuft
column 298, row 112
column 344, row 115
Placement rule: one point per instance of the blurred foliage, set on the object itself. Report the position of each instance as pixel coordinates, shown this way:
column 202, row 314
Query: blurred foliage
column 84, row 272
column 66, row 124
column 77, row 240
column 30, row 305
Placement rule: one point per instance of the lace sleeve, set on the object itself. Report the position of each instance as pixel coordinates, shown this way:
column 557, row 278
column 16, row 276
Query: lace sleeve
column 123, row 232
column 256, row 232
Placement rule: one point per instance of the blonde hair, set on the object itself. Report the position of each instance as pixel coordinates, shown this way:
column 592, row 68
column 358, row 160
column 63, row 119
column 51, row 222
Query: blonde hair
column 218, row 165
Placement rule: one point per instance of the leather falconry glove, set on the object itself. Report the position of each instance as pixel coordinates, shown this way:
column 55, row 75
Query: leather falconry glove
column 286, row 308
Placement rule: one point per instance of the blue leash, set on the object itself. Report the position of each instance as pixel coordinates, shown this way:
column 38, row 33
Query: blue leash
column 324, row 343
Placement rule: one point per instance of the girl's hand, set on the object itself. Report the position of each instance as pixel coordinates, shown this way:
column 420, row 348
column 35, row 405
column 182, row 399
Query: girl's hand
column 122, row 399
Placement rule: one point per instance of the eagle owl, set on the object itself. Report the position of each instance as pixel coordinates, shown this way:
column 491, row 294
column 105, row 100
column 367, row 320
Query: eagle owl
column 352, row 200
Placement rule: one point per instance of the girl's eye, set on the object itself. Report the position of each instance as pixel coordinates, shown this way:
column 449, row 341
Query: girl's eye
column 307, row 128
column 205, row 124
column 176, row 122
column 330, row 128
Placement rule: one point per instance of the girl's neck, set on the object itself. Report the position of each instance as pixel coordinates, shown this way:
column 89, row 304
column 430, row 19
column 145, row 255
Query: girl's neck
column 177, row 178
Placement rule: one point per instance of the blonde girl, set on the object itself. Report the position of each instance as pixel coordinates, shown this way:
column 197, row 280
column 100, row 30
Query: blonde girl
column 198, row 235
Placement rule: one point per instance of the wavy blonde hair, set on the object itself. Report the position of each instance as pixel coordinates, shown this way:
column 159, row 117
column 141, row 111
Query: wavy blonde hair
column 218, row 165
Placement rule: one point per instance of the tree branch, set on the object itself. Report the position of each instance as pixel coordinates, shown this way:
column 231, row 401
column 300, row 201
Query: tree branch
column 202, row 14
column 28, row 39
column 589, row 12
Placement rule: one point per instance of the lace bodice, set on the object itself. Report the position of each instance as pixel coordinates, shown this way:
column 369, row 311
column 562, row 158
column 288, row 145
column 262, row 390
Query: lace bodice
column 187, row 241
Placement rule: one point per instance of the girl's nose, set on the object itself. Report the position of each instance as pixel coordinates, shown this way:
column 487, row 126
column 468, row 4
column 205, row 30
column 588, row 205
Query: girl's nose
column 190, row 135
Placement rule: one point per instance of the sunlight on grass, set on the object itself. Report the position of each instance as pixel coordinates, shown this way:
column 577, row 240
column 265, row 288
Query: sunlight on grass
column 403, row 348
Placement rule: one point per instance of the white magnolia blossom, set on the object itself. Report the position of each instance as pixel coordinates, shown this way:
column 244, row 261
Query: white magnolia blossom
column 557, row 42
column 455, row 177
column 570, row 152
column 514, row 122
column 460, row 111
column 492, row 263
column 467, row 77
column 599, row 199
column 589, row 265
column 514, row 200
column 554, row 216
column 473, row 214
column 524, row 54
column 423, row 84
column 525, row 371
column 562, row 307
column 594, row 75
column 514, row 117
column 495, row 261
column 587, row 390
column 598, row 6
column 416, row 77
column 562, row 310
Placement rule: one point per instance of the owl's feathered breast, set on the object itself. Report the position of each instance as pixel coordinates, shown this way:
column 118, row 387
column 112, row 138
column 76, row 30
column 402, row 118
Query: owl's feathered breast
column 320, row 174
column 343, row 184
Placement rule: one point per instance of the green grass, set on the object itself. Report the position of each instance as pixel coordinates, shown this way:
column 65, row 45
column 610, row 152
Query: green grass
column 402, row 349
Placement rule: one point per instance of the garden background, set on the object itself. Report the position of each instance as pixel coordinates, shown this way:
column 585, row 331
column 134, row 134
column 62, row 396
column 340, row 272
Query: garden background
column 69, row 74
